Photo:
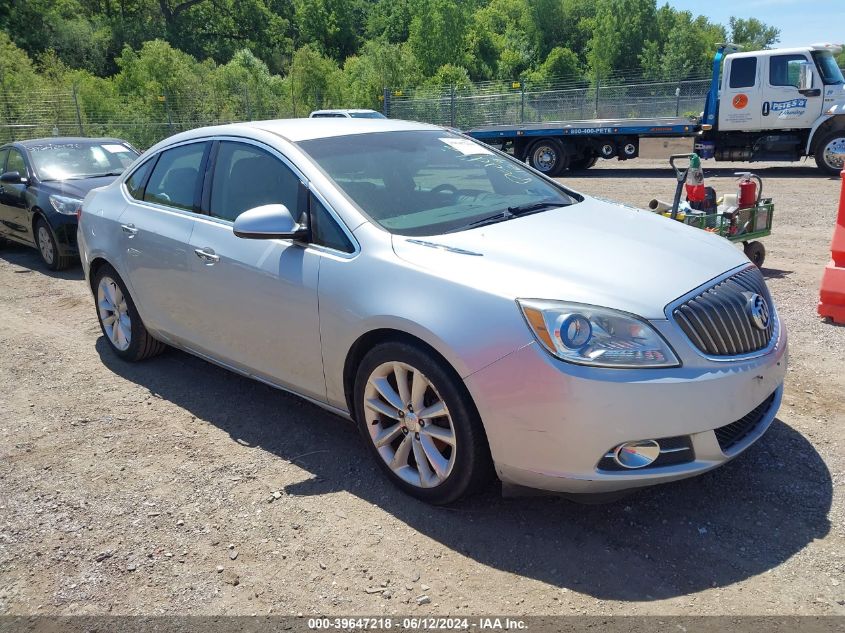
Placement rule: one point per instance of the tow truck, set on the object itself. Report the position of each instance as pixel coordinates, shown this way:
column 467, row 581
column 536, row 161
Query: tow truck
column 768, row 105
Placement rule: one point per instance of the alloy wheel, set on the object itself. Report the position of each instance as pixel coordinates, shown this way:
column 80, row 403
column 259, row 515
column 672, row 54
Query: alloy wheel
column 409, row 424
column 45, row 244
column 544, row 158
column 114, row 313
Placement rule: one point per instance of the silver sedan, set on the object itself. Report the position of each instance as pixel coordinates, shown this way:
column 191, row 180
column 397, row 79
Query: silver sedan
column 470, row 315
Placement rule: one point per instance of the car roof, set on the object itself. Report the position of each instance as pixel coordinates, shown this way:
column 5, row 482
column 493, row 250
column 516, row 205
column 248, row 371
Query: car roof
column 67, row 139
column 342, row 110
column 297, row 130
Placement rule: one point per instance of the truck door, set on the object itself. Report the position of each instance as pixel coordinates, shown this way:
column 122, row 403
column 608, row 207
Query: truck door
column 740, row 106
column 784, row 107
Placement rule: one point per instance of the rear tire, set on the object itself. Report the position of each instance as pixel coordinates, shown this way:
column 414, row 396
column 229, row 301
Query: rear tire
column 830, row 153
column 119, row 319
column 756, row 252
column 450, row 441
column 583, row 163
column 548, row 157
column 48, row 247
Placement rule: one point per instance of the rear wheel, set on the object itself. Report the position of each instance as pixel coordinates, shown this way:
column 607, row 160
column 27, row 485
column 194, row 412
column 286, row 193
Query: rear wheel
column 830, row 153
column 583, row 163
column 119, row 319
column 548, row 157
column 419, row 424
column 756, row 252
column 48, row 247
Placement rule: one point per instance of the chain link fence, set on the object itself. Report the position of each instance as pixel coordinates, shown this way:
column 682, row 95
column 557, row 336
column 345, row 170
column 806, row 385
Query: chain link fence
column 504, row 103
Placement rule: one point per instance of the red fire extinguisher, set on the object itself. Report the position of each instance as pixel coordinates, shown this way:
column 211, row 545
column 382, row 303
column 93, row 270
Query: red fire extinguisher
column 749, row 193
column 695, row 182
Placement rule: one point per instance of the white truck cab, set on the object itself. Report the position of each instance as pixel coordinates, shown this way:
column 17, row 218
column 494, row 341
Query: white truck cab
column 789, row 102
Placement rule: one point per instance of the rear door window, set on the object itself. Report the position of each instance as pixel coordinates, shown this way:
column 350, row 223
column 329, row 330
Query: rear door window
column 743, row 72
column 175, row 181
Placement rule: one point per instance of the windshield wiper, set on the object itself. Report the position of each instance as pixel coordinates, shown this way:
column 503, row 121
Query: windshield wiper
column 512, row 212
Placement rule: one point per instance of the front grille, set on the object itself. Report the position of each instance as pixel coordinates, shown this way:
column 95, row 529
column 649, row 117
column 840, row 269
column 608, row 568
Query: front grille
column 673, row 450
column 717, row 320
column 731, row 434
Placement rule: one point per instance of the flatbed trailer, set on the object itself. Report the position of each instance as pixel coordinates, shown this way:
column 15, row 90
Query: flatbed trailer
column 772, row 105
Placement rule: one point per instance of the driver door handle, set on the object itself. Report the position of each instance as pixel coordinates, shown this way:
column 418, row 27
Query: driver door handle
column 129, row 229
column 207, row 255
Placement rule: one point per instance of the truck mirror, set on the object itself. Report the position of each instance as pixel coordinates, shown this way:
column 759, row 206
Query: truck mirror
column 805, row 76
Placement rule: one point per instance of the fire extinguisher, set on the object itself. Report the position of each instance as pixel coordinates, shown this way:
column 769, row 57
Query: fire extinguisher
column 749, row 193
column 695, row 183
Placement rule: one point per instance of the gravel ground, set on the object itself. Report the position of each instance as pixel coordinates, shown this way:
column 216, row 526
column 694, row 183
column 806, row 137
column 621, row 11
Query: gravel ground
column 175, row 487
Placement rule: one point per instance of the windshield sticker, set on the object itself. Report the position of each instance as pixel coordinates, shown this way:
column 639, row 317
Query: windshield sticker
column 115, row 149
column 466, row 146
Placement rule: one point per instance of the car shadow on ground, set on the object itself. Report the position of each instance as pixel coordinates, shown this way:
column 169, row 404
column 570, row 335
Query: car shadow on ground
column 29, row 261
column 784, row 172
column 711, row 531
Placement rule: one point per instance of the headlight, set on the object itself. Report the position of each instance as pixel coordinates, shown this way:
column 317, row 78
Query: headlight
column 65, row 204
column 601, row 337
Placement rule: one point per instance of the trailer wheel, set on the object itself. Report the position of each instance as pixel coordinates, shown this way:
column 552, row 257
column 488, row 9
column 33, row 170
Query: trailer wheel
column 548, row 156
column 630, row 149
column 756, row 252
column 583, row 163
column 830, row 153
column 607, row 150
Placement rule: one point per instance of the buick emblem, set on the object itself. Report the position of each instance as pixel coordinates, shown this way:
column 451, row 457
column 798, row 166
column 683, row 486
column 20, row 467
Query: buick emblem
column 758, row 311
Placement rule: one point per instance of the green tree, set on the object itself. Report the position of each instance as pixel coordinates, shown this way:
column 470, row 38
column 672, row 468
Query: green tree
column 752, row 34
column 690, row 46
column 561, row 63
column 314, row 82
column 330, row 26
column 379, row 65
column 436, row 34
column 619, row 30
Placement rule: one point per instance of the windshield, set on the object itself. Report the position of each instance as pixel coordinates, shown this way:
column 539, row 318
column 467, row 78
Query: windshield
column 367, row 115
column 430, row 182
column 80, row 159
column 830, row 72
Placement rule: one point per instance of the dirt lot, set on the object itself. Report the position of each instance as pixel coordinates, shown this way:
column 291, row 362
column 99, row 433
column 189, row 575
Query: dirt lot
column 173, row 486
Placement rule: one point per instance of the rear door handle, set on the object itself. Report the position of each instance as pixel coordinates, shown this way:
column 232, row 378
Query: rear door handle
column 129, row 229
column 207, row 255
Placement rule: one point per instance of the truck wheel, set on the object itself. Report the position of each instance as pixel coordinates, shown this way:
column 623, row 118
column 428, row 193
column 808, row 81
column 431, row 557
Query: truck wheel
column 607, row 150
column 830, row 153
column 583, row 163
column 548, row 157
column 756, row 252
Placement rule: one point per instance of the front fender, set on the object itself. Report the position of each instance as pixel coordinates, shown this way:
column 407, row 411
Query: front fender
column 837, row 112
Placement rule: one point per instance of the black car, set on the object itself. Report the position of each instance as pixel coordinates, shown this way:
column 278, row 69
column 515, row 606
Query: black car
column 42, row 184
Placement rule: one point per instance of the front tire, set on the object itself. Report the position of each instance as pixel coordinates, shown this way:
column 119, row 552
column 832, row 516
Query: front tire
column 119, row 319
column 420, row 424
column 48, row 247
column 830, row 153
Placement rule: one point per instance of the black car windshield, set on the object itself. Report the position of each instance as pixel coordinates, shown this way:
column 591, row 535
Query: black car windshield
column 57, row 160
column 830, row 72
column 429, row 182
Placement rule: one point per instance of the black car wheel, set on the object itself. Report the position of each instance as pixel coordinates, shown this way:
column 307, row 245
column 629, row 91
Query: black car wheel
column 48, row 247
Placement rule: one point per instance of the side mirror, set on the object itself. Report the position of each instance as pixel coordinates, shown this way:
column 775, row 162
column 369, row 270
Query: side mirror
column 13, row 177
column 805, row 80
column 269, row 222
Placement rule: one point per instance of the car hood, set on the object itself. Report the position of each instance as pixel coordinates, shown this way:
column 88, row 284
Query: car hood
column 594, row 252
column 76, row 188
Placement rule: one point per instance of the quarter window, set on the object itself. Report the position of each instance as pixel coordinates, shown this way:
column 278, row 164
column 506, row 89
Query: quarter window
column 784, row 70
column 3, row 154
column 325, row 230
column 176, row 177
column 16, row 162
column 135, row 182
column 743, row 72
column 246, row 177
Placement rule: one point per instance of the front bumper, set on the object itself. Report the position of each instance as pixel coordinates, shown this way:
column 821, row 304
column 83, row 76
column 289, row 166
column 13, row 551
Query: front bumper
column 550, row 423
column 64, row 228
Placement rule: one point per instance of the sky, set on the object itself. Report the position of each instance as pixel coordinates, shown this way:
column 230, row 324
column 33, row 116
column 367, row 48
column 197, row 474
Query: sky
column 801, row 22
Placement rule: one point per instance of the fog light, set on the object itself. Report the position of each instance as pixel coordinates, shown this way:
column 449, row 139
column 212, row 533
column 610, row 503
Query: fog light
column 637, row 454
